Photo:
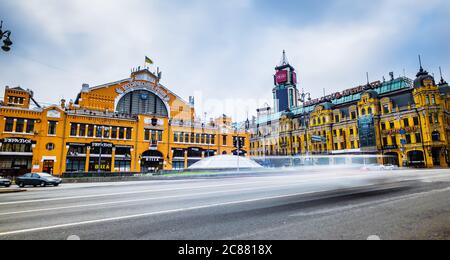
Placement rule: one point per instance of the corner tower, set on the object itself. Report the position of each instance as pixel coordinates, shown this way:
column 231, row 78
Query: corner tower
column 285, row 92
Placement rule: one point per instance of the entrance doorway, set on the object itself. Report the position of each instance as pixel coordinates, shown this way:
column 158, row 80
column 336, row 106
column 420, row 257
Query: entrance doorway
column 48, row 166
column 391, row 159
column 416, row 159
column 436, row 154
column 152, row 161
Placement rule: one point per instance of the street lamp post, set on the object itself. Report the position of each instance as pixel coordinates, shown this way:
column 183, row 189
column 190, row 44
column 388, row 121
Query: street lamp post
column 7, row 42
column 303, row 98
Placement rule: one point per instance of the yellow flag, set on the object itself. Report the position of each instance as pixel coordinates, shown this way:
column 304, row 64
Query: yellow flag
column 148, row 60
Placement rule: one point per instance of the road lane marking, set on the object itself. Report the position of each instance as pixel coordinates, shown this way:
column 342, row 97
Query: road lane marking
column 68, row 225
column 142, row 200
column 163, row 190
column 97, row 221
column 369, row 204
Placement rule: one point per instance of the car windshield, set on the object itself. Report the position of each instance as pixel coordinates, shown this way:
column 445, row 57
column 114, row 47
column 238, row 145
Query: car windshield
column 44, row 175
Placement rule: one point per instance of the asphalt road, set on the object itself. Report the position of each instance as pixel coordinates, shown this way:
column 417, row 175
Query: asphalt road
column 318, row 204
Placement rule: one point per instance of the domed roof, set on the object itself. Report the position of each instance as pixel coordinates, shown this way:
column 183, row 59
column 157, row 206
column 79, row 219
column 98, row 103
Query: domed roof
column 372, row 93
column 422, row 75
column 225, row 162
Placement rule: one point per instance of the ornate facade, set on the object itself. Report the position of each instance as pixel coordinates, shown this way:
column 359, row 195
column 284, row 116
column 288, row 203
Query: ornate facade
column 406, row 121
column 132, row 125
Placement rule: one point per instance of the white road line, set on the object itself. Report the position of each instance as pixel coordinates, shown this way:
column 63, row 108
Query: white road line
column 146, row 199
column 161, row 190
column 125, row 193
column 369, row 204
column 16, row 232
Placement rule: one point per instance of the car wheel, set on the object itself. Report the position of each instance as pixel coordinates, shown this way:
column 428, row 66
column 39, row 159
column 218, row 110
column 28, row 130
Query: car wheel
column 56, row 185
column 21, row 184
column 7, row 186
column 43, row 184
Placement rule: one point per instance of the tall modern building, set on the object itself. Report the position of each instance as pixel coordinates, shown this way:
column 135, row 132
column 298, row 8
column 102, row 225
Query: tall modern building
column 405, row 121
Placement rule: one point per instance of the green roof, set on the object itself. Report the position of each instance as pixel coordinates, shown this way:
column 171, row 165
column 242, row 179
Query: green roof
column 385, row 88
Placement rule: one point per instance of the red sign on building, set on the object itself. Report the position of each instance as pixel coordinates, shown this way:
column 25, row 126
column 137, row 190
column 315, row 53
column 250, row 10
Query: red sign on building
column 294, row 78
column 281, row 77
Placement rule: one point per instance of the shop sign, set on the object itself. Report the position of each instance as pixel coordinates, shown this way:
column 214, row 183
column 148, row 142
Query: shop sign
column 17, row 141
column 136, row 85
column 402, row 131
column 102, row 145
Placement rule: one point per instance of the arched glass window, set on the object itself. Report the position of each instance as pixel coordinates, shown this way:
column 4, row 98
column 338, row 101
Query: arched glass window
column 142, row 102
column 363, row 112
column 370, row 111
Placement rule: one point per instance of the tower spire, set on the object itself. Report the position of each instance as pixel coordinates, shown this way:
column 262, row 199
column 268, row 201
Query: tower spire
column 284, row 59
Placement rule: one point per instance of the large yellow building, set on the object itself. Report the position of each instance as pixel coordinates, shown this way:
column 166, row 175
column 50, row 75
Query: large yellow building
column 405, row 122
column 132, row 125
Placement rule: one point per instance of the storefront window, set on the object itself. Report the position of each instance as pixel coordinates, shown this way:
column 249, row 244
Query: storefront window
column 16, row 148
column 105, row 165
column 122, row 166
column 75, row 150
column 76, row 165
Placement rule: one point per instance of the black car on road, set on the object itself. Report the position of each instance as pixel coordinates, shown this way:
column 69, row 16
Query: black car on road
column 5, row 182
column 38, row 179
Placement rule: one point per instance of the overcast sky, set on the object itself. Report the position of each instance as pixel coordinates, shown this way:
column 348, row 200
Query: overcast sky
column 223, row 52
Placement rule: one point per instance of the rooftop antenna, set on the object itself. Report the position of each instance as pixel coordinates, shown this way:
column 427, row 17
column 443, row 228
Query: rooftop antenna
column 420, row 62
column 368, row 81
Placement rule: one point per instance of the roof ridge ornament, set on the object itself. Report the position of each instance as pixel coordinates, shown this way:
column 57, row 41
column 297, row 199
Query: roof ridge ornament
column 443, row 82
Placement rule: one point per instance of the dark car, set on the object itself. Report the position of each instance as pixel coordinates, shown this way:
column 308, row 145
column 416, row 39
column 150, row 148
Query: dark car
column 5, row 182
column 38, row 179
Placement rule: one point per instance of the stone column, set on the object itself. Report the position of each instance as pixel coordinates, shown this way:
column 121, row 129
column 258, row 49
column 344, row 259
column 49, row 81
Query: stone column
column 113, row 160
column 185, row 159
column 88, row 157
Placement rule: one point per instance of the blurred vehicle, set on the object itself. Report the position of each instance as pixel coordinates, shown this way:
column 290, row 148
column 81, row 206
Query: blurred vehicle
column 5, row 182
column 38, row 179
column 379, row 167
column 389, row 167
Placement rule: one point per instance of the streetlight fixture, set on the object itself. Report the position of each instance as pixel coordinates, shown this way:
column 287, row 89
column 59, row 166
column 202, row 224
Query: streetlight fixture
column 304, row 97
column 7, row 42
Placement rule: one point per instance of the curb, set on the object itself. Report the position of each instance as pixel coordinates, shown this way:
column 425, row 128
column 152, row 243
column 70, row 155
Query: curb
column 6, row 191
